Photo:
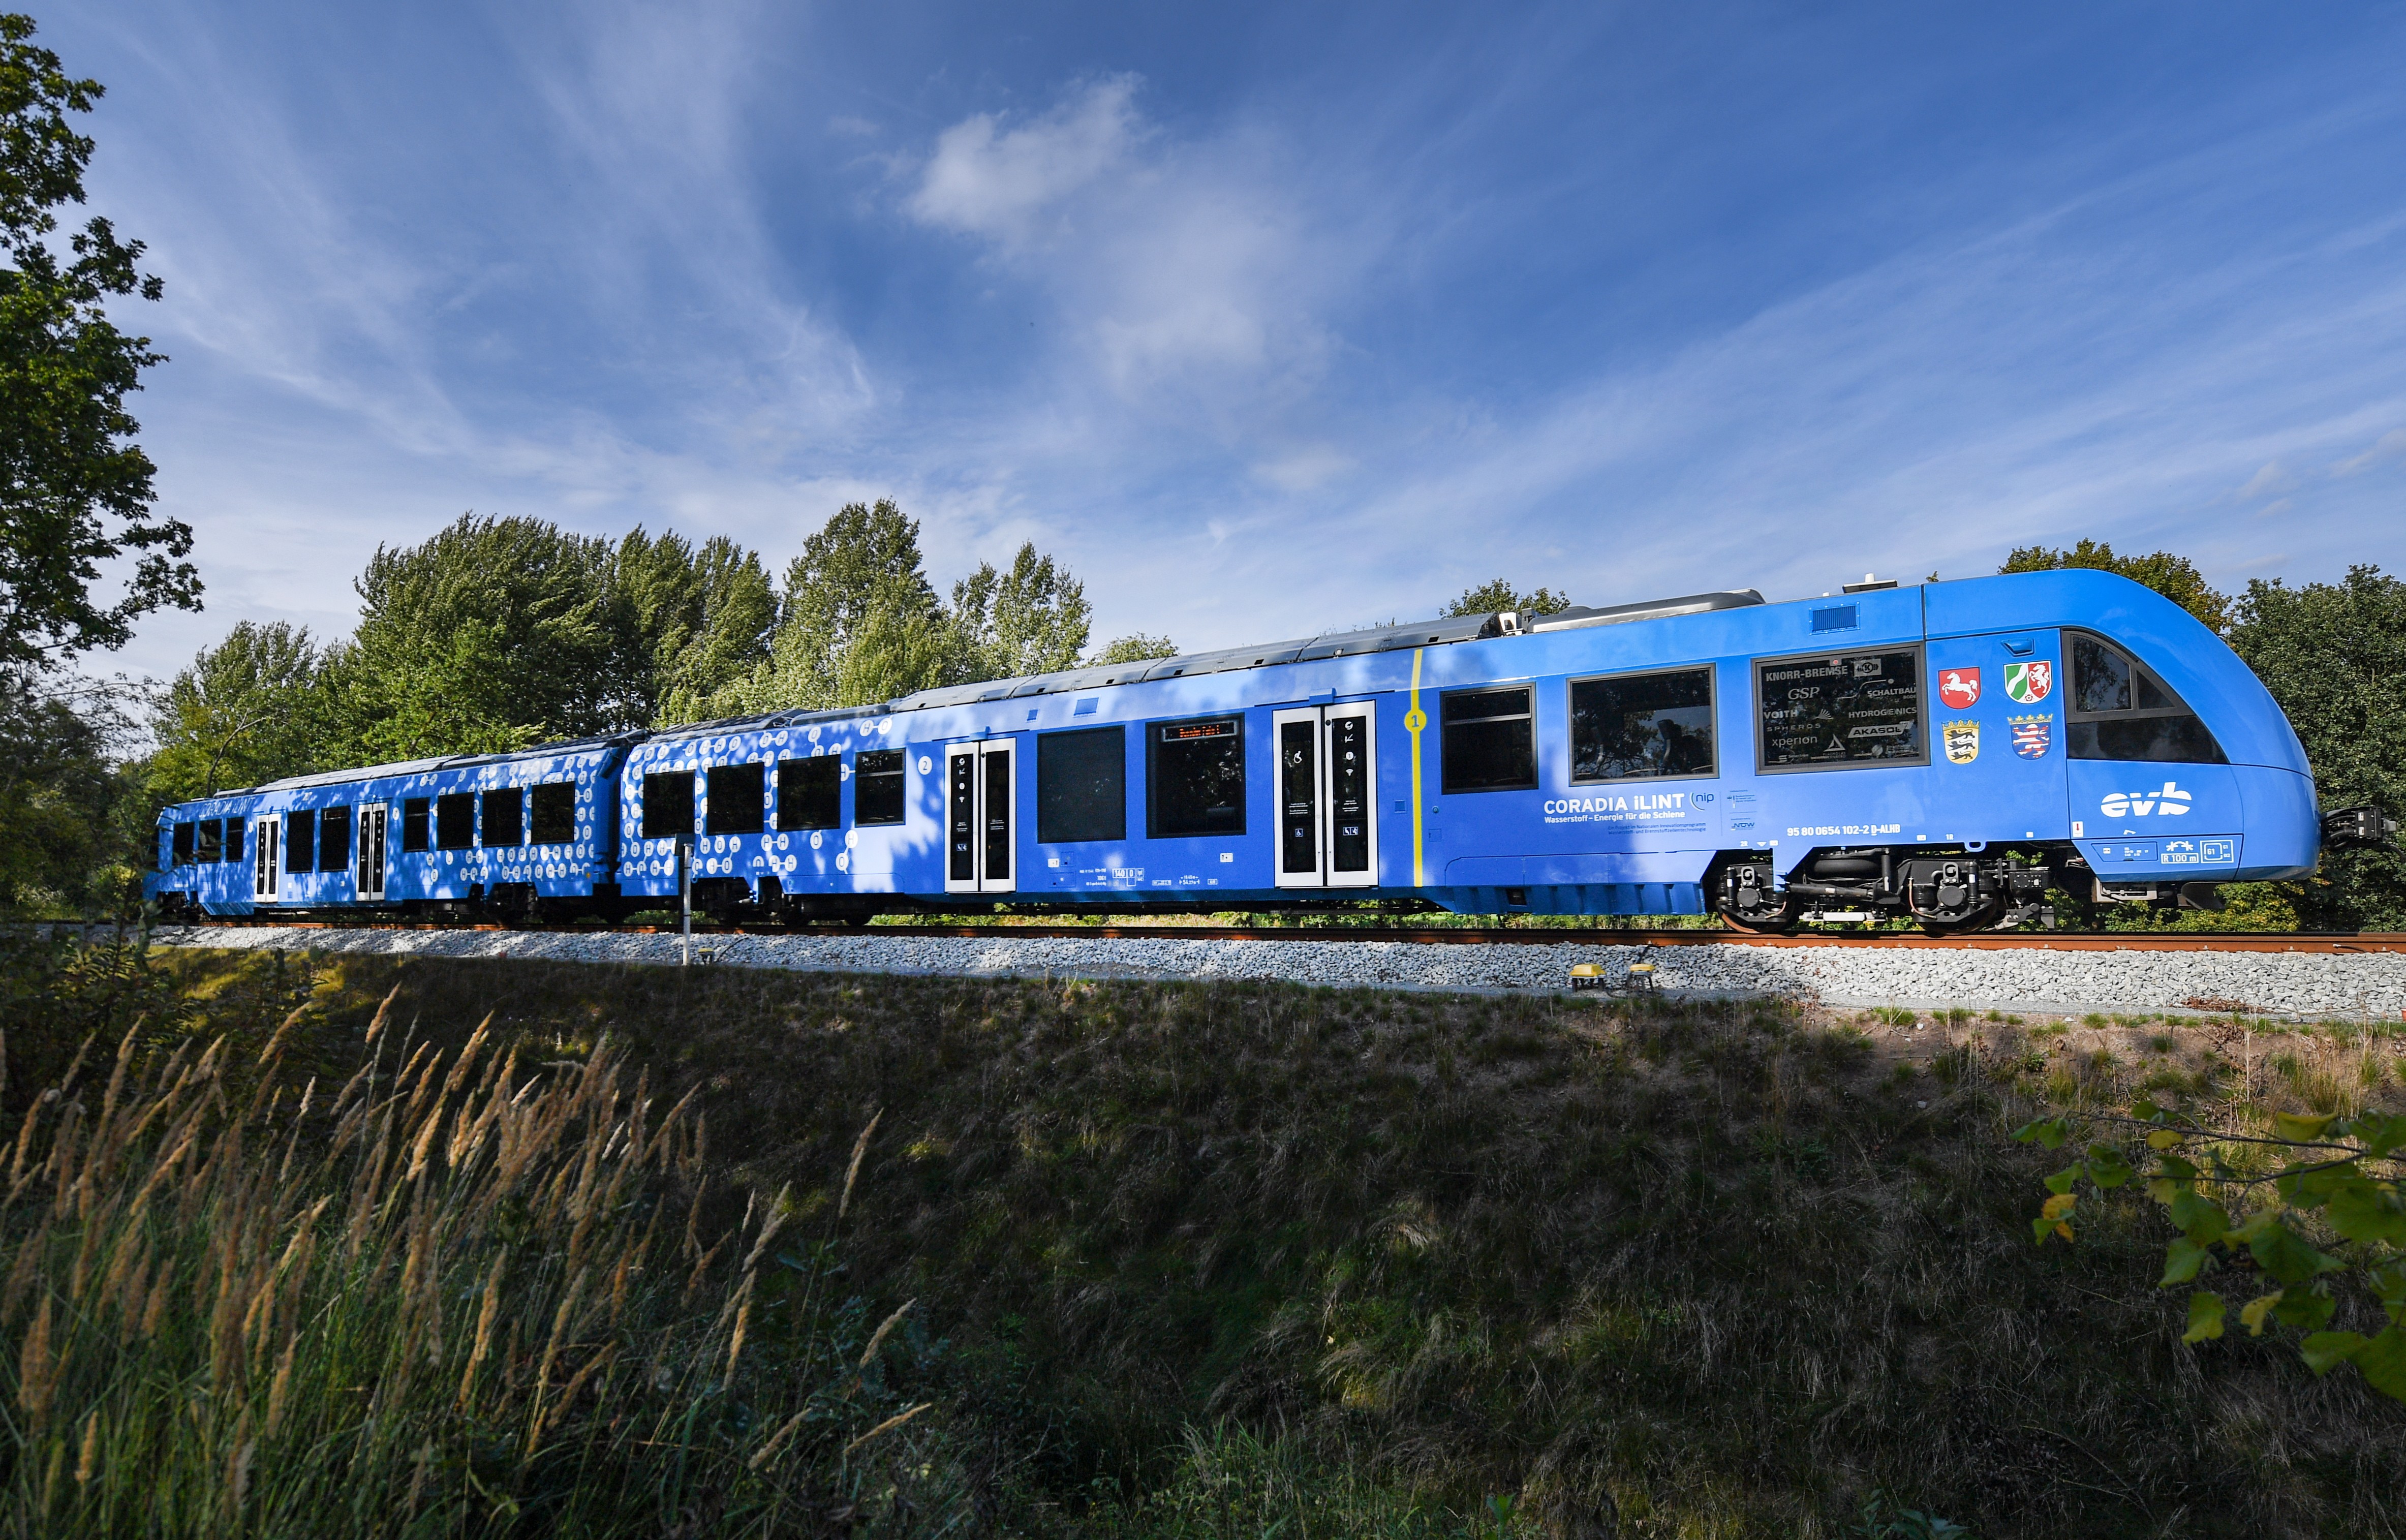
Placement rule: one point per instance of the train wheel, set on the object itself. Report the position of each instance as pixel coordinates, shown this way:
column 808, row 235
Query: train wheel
column 1781, row 924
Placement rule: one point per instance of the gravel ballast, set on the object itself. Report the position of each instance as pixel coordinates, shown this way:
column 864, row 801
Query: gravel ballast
column 2350, row 985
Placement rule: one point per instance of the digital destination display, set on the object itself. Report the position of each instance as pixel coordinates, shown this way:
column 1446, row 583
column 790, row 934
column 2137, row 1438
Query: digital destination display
column 1188, row 732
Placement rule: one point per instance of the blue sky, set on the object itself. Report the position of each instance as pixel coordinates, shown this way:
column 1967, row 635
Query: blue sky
column 1268, row 320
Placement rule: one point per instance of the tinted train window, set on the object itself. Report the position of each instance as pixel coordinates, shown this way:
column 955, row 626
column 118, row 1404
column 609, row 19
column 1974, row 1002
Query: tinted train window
column 2118, row 710
column 738, row 800
column 334, row 839
column 233, row 839
column 209, row 844
column 1640, row 727
column 455, row 820
column 300, row 840
column 182, row 843
column 810, row 793
column 555, row 813
column 413, row 823
column 668, row 804
column 1195, row 777
column 1081, row 785
column 1840, row 709
column 505, row 816
column 877, row 787
column 1490, row 741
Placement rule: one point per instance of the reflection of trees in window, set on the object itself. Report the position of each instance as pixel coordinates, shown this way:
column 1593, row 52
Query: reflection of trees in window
column 1196, row 778
column 877, row 787
column 1642, row 726
column 1490, row 741
column 2119, row 709
column 1081, row 785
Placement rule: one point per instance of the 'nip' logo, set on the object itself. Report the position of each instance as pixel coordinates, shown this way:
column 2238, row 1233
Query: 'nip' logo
column 2168, row 802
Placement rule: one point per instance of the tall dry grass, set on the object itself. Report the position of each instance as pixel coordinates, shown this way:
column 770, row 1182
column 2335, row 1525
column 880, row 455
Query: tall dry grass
column 458, row 1294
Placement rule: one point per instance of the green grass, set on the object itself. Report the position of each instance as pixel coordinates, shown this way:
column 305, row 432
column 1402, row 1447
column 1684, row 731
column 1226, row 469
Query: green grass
column 1214, row 1259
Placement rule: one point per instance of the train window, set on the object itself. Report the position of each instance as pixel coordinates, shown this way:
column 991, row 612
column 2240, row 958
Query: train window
column 668, row 805
column 2119, row 709
column 1491, row 740
column 555, row 813
column 181, row 843
column 1194, row 777
column 505, row 816
column 334, row 839
column 233, row 839
column 301, row 840
column 413, row 823
column 455, row 820
column 810, row 793
column 209, row 842
column 1834, row 710
column 877, row 787
column 738, row 798
column 1081, row 785
column 1642, row 727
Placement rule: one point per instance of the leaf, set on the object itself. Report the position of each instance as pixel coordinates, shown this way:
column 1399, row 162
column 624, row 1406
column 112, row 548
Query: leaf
column 2324, row 1351
column 2381, row 1135
column 2062, row 1180
column 2383, row 1361
column 2284, row 1255
column 2050, row 1133
column 2060, row 1205
column 2164, row 1138
column 2204, row 1317
column 2042, row 1228
column 2304, row 1306
column 2367, row 1210
column 2146, row 1110
column 2199, row 1217
column 2181, row 1259
column 2252, row 1314
column 2301, row 1127
column 2176, row 1168
column 2106, row 1166
column 2308, row 1186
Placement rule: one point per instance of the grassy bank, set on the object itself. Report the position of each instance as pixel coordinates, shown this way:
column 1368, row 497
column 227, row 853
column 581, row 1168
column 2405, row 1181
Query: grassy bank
column 1179, row 1260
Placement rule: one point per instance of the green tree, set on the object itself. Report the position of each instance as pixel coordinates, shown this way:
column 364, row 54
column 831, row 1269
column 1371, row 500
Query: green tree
column 861, row 574
column 2334, row 656
column 1032, row 619
column 492, row 635
column 1499, row 594
column 65, row 845
column 2175, row 577
column 248, row 710
column 1134, row 649
column 74, row 491
column 690, row 622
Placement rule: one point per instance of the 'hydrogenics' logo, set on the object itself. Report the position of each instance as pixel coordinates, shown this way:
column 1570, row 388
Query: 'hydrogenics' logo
column 2170, row 802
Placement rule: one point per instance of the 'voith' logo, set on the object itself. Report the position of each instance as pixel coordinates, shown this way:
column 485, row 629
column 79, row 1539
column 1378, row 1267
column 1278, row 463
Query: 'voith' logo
column 2167, row 803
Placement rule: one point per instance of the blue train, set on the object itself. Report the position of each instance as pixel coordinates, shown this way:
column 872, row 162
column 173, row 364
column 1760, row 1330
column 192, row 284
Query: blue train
column 1946, row 752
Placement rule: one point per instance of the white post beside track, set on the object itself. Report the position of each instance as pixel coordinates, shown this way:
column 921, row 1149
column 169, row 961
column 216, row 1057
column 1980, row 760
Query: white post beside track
column 685, row 889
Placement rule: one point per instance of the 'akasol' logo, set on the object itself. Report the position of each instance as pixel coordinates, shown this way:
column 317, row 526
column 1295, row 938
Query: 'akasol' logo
column 2167, row 803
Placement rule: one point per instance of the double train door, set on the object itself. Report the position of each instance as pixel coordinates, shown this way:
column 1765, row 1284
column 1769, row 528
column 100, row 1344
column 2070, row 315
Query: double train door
column 979, row 797
column 370, row 852
column 266, row 857
column 1327, row 791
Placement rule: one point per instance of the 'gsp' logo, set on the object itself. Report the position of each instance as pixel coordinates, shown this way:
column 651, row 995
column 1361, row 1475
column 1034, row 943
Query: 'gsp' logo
column 2170, row 802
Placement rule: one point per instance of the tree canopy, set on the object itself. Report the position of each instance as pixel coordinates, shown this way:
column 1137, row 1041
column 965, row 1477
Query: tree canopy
column 2175, row 577
column 1499, row 594
column 75, row 488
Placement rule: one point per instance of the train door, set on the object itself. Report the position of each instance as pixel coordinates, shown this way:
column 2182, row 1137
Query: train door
column 1328, row 825
column 266, row 857
column 979, row 795
column 371, row 852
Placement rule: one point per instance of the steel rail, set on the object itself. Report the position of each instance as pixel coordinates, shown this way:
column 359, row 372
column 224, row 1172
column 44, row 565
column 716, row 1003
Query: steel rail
column 2323, row 943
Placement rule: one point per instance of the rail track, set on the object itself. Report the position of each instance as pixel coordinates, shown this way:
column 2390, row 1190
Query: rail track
column 2319, row 943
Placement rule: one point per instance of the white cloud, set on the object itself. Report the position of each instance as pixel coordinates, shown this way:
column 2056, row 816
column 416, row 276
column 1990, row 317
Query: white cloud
column 1306, row 470
column 986, row 179
column 2389, row 446
column 2272, row 480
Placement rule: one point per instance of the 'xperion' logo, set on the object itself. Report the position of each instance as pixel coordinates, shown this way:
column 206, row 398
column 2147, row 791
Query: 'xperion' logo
column 2168, row 803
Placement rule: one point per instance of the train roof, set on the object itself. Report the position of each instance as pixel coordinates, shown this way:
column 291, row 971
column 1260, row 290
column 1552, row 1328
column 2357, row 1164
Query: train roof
column 448, row 761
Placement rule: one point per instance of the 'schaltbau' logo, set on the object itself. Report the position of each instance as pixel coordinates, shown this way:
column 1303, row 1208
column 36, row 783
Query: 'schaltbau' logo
column 2169, row 802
